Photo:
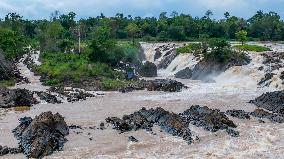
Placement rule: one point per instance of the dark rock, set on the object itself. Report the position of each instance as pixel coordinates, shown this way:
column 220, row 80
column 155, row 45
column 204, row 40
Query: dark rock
column 78, row 96
column 16, row 98
column 6, row 68
column 241, row 114
column 148, row 69
column 75, row 127
column 167, row 59
column 260, row 68
column 157, row 55
column 265, row 79
column 210, row 119
column 232, row 132
column 42, row 135
column 49, row 98
column 273, row 117
column 272, row 101
column 166, row 85
column 132, row 139
column 282, row 75
column 144, row 119
column 6, row 150
column 184, row 74
column 102, row 126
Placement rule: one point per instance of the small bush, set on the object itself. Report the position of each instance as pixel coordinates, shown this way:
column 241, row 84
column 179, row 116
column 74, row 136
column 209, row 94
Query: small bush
column 189, row 48
column 112, row 84
column 22, row 108
column 254, row 48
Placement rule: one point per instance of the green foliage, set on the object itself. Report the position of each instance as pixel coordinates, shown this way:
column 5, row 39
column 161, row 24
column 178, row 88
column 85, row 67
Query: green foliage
column 109, row 84
column 11, row 43
column 60, row 67
column 7, row 83
column 241, row 36
column 189, row 48
column 254, row 48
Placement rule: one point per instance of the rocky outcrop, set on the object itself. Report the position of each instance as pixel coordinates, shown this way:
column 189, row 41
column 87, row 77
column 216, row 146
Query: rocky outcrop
column 49, row 98
column 148, row 69
column 273, row 117
column 42, row 135
column 184, row 74
column 4, row 150
column 158, row 54
column 241, row 114
column 166, row 85
column 272, row 101
column 16, row 98
column 144, row 119
column 210, row 119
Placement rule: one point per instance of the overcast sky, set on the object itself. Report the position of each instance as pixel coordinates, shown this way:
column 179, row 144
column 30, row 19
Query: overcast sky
column 37, row 9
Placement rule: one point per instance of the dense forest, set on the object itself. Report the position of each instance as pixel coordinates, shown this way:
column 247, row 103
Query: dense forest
column 104, row 40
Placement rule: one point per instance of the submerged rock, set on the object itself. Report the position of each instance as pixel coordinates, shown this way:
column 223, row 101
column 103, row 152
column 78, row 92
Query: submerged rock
column 42, row 135
column 210, row 119
column 16, row 98
column 241, row 114
column 272, row 101
column 166, row 85
column 144, row 119
column 184, row 74
column 132, row 139
column 148, row 69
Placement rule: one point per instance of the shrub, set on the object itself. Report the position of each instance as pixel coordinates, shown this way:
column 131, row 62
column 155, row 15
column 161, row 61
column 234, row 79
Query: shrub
column 189, row 48
column 254, row 48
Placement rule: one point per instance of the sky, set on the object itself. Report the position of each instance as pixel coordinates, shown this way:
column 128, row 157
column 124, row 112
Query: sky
column 39, row 9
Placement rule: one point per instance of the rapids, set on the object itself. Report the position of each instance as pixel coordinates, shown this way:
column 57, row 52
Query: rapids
column 233, row 90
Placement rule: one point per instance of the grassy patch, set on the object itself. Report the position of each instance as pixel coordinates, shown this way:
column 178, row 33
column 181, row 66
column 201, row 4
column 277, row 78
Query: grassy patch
column 22, row 108
column 7, row 83
column 189, row 48
column 109, row 84
column 254, row 48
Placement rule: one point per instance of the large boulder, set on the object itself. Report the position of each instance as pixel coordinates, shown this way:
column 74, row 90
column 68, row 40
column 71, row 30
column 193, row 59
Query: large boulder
column 166, row 85
column 148, row 69
column 15, row 98
column 184, row 74
column 42, row 135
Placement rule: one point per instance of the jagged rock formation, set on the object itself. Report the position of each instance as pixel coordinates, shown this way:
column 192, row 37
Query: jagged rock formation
column 184, row 74
column 4, row 150
column 49, row 98
column 15, row 98
column 166, row 85
column 42, row 135
column 265, row 79
column 167, row 59
column 6, row 68
column 273, row 117
column 144, row 119
column 148, row 69
column 272, row 101
column 241, row 114
column 210, row 119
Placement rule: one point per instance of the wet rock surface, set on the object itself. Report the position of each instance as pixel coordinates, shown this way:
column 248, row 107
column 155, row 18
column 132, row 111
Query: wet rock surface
column 273, row 117
column 148, row 69
column 167, row 59
column 6, row 68
column 210, row 119
column 49, row 98
column 241, row 114
column 16, row 97
column 42, row 135
column 166, row 85
column 272, row 101
column 184, row 74
column 265, row 79
column 144, row 119
column 4, row 150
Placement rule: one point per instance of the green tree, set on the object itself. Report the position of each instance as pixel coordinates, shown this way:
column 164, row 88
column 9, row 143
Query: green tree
column 241, row 36
column 132, row 31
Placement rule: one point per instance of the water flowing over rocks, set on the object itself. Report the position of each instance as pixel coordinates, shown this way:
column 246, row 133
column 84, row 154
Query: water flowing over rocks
column 166, row 85
column 49, row 98
column 272, row 101
column 167, row 59
column 210, row 119
column 144, row 119
column 16, row 98
column 184, row 74
column 42, row 135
